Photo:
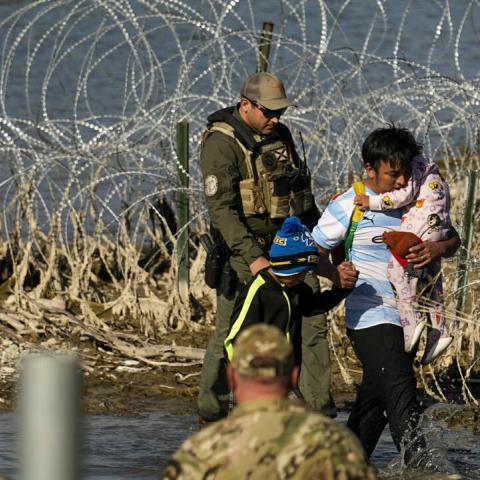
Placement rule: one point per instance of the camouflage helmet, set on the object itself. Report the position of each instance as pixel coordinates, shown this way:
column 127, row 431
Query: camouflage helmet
column 263, row 351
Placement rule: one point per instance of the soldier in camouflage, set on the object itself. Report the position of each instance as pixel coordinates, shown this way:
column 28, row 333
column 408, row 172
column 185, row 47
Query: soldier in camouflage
column 268, row 436
column 254, row 179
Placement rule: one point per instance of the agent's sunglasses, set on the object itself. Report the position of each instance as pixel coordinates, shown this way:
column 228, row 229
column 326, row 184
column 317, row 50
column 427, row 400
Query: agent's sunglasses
column 267, row 113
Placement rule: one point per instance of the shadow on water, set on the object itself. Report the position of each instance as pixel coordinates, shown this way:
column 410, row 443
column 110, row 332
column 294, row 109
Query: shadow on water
column 121, row 448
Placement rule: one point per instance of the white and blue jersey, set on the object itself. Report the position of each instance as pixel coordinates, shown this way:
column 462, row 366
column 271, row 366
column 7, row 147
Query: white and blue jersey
column 372, row 301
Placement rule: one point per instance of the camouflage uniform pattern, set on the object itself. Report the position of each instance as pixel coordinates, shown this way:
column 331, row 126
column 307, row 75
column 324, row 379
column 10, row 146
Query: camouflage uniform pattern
column 263, row 352
column 271, row 440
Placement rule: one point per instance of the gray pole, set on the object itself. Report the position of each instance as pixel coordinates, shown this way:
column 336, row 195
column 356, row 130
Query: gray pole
column 265, row 43
column 50, row 414
column 467, row 236
column 182, row 207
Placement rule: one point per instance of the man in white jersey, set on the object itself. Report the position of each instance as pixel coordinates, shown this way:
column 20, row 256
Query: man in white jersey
column 388, row 389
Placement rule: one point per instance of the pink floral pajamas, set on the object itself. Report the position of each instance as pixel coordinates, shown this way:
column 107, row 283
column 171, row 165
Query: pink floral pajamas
column 426, row 203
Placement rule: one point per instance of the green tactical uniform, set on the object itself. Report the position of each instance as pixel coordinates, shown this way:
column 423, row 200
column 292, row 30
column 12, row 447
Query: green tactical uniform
column 248, row 210
column 271, row 440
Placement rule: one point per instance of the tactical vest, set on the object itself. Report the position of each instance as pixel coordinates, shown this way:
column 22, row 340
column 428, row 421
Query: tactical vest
column 275, row 183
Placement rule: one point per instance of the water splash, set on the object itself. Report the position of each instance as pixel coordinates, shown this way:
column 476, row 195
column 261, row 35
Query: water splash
column 451, row 452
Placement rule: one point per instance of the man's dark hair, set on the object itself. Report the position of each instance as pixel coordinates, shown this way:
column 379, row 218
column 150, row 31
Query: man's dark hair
column 396, row 146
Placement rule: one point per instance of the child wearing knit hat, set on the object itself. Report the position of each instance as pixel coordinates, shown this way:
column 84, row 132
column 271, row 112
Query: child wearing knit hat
column 278, row 295
column 293, row 252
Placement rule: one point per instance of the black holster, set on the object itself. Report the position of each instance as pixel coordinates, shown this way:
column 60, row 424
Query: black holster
column 218, row 272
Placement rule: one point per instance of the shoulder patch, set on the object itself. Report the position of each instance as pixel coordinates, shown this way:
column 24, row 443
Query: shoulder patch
column 211, row 185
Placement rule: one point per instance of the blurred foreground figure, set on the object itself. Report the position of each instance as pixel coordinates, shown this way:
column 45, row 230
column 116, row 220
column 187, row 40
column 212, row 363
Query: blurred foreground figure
column 268, row 436
column 50, row 417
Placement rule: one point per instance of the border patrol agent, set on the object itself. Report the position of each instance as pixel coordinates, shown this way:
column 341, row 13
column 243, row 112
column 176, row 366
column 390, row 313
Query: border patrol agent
column 254, row 179
column 268, row 436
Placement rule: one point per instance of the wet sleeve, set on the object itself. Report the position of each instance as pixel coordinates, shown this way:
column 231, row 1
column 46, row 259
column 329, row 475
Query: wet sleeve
column 219, row 163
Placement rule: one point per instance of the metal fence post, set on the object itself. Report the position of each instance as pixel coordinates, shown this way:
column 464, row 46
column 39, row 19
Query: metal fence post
column 50, row 418
column 467, row 236
column 182, row 208
column 265, row 43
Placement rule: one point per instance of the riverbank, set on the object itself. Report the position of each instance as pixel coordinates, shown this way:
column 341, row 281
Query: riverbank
column 134, row 382
column 114, row 384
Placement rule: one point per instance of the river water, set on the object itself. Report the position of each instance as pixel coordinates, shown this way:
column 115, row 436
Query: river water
column 137, row 448
column 116, row 447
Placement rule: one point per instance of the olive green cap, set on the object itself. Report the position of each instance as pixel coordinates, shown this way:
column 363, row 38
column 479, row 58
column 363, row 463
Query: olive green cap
column 267, row 90
column 262, row 351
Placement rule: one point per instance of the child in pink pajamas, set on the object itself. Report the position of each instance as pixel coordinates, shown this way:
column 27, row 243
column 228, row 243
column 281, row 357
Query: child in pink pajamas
column 426, row 202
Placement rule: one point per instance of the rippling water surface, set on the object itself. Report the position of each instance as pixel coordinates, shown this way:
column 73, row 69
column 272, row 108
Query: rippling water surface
column 116, row 447
column 137, row 448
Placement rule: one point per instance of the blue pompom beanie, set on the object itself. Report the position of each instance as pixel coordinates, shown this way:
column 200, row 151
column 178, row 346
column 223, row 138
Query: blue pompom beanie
column 293, row 249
